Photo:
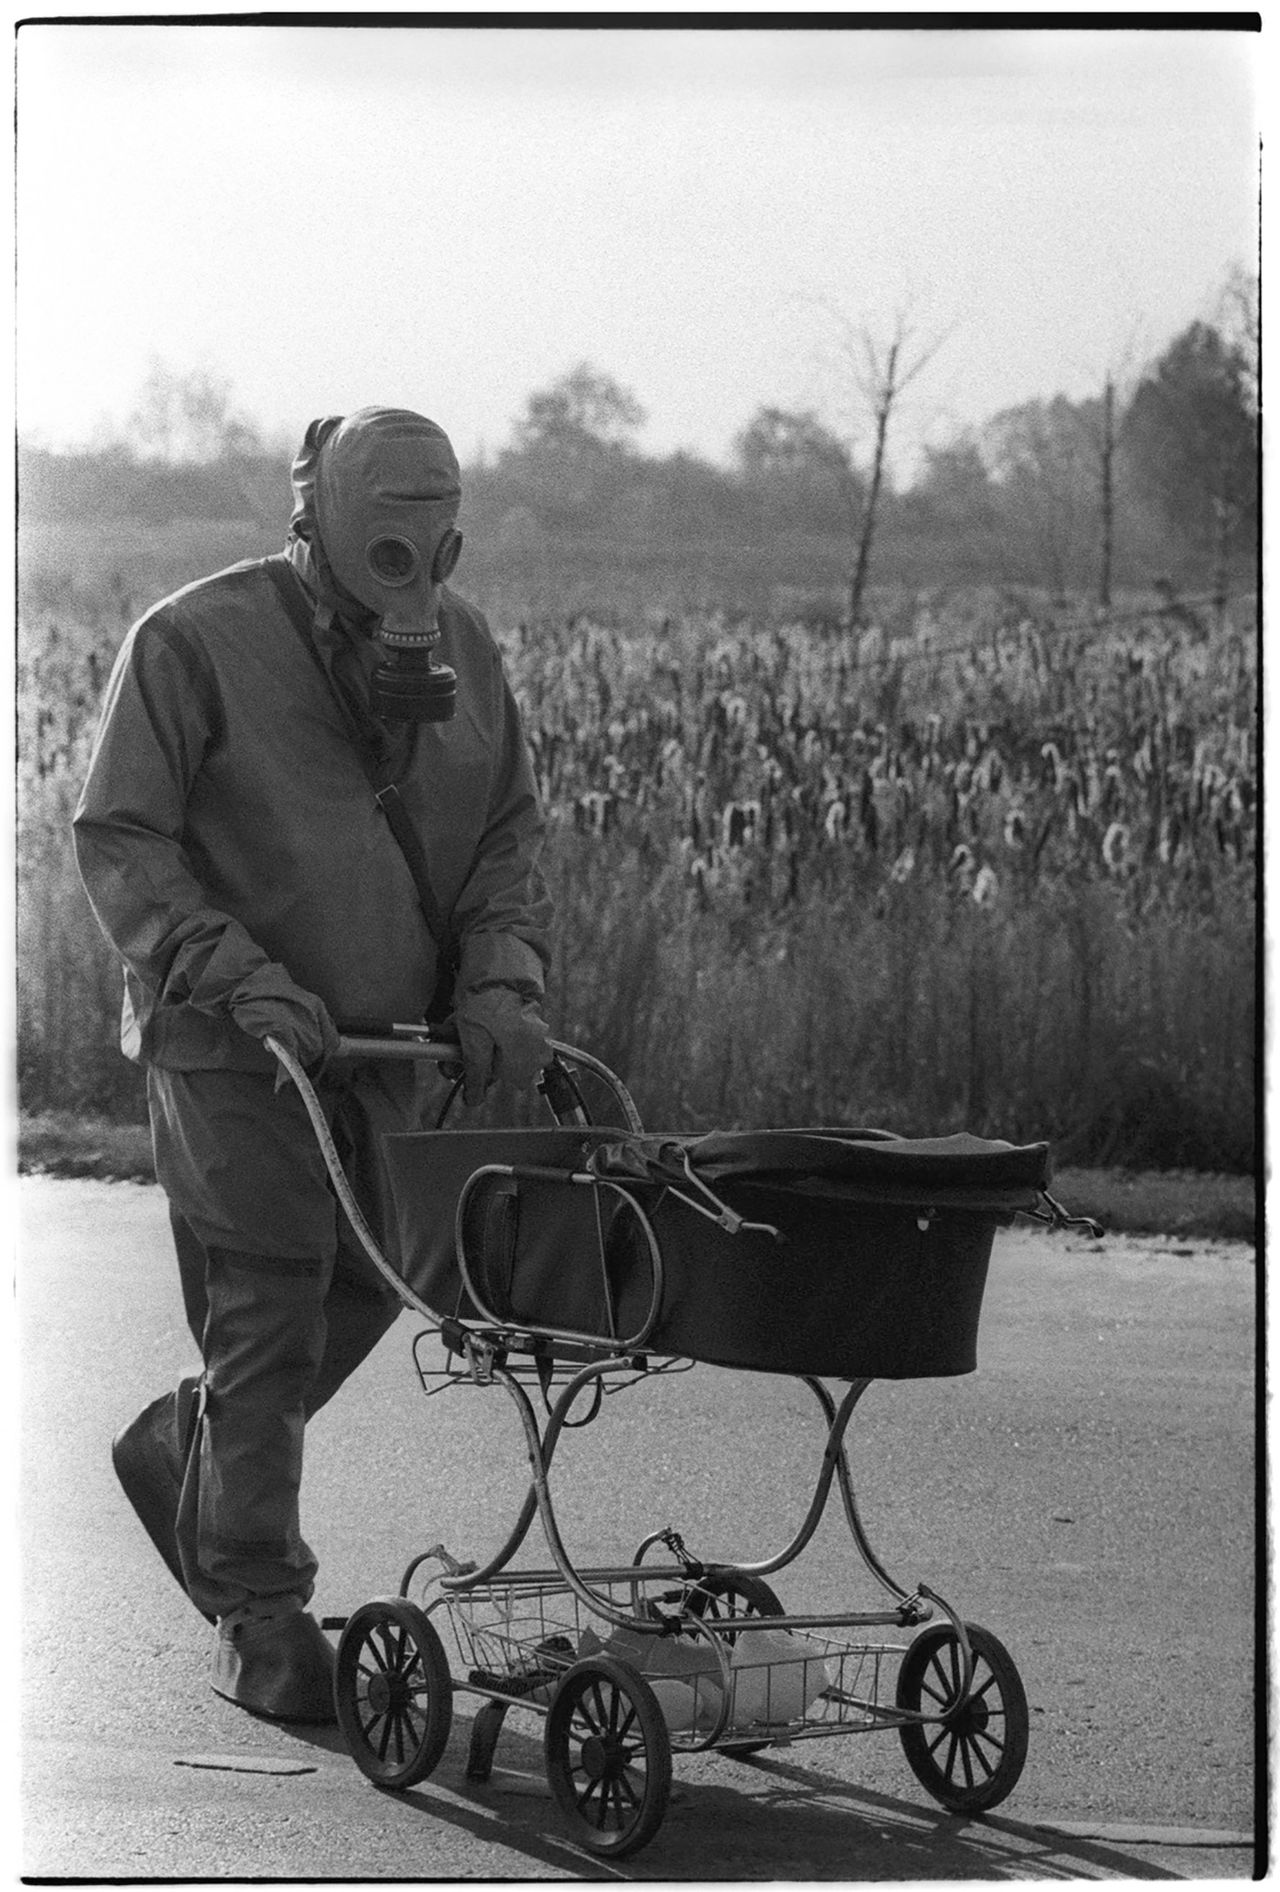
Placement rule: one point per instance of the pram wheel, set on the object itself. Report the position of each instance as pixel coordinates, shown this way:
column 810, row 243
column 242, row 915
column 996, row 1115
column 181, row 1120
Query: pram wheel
column 392, row 1692
column 608, row 1756
column 725, row 1593
column 971, row 1758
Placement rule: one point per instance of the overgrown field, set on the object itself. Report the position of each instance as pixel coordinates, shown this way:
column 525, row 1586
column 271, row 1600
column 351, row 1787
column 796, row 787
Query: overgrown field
column 984, row 867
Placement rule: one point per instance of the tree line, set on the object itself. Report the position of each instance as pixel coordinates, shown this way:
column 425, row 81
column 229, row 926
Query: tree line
column 1152, row 480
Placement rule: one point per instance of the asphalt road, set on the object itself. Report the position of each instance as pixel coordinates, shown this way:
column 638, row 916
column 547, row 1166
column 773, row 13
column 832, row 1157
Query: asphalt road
column 1089, row 1494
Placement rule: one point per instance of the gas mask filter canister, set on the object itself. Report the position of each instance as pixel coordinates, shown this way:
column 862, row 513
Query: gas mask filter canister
column 409, row 686
column 387, row 492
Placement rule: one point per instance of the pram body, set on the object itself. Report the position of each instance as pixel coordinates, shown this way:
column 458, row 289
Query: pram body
column 570, row 1262
column 857, row 1255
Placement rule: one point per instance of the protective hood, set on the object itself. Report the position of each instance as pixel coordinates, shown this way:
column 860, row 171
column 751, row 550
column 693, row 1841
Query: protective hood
column 377, row 496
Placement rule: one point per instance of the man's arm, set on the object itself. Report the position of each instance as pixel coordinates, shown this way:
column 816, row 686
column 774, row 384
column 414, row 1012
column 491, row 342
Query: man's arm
column 160, row 714
column 502, row 917
column 502, row 920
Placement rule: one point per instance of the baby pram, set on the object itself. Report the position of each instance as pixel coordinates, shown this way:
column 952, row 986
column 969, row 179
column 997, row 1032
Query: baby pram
column 571, row 1261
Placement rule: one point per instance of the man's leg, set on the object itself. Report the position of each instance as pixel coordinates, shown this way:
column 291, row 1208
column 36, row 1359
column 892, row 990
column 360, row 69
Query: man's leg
column 359, row 1307
column 283, row 1312
column 238, row 1525
column 358, row 1312
column 256, row 1319
column 254, row 1228
column 243, row 1554
column 362, row 1304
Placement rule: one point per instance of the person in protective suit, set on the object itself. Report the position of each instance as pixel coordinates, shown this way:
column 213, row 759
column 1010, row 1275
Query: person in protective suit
column 234, row 836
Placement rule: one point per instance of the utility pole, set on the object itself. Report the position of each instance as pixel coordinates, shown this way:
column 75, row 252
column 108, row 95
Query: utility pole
column 1108, row 452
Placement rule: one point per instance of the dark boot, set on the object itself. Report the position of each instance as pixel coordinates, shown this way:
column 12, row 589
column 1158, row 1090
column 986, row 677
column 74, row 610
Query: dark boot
column 150, row 1458
column 277, row 1666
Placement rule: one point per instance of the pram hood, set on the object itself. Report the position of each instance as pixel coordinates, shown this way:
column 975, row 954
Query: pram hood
column 852, row 1165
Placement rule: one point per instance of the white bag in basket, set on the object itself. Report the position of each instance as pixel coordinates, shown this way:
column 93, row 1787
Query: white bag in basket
column 776, row 1676
column 683, row 1673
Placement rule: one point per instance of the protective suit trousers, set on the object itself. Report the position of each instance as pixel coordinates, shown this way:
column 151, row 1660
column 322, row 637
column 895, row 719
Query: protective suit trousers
column 281, row 1299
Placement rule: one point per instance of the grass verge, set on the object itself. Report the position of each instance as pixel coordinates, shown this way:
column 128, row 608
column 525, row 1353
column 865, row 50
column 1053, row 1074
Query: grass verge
column 1179, row 1203
column 59, row 1143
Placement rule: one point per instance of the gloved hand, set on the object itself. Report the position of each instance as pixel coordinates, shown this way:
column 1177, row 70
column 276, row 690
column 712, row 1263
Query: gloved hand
column 501, row 1036
column 269, row 1004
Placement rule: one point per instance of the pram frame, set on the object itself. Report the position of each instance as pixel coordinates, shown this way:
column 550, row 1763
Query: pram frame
column 486, row 1344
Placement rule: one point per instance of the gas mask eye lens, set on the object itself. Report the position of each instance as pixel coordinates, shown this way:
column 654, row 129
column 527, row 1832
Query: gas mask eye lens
column 392, row 561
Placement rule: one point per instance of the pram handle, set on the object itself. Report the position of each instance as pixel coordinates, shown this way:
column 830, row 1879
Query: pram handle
column 407, row 1044
column 439, row 1044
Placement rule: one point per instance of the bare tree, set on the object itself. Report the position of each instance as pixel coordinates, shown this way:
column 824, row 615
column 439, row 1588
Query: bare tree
column 881, row 369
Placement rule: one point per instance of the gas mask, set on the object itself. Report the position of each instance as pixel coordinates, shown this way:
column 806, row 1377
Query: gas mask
column 384, row 495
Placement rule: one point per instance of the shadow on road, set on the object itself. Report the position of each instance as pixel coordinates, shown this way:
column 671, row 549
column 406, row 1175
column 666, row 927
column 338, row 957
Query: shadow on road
column 948, row 1845
column 768, row 1819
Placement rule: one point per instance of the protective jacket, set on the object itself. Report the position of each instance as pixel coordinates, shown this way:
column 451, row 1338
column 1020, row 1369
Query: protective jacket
column 227, row 830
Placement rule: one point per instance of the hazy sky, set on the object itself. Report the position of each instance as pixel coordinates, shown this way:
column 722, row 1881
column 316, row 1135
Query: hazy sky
column 448, row 219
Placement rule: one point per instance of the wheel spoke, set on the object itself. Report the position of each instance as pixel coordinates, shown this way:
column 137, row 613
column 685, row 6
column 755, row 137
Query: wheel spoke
column 935, row 1663
column 385, row 1651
